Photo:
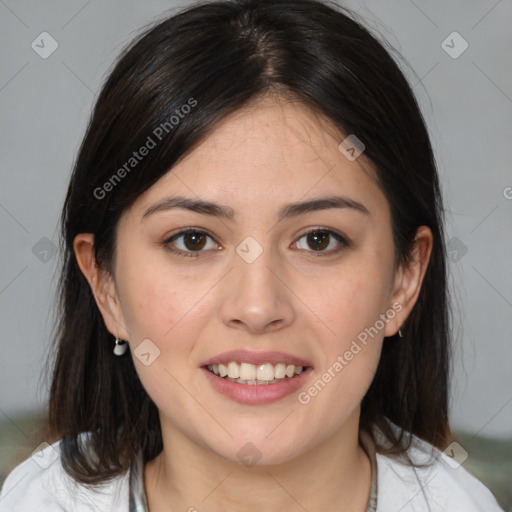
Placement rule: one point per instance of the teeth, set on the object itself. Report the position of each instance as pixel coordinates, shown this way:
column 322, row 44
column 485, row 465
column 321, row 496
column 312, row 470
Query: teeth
column 246, row 373
column 255, row 382
column 233, row 370
column 265, row 372
column 280, row 371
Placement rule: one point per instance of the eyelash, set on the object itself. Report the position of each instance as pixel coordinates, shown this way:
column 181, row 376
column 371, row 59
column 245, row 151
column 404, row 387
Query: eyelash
column 194, row 254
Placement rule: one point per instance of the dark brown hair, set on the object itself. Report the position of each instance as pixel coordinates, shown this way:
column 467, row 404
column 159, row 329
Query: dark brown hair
column 223, row 55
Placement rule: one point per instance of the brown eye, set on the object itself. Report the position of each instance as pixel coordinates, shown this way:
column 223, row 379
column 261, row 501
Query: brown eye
column 193, row 241
column 319, row 239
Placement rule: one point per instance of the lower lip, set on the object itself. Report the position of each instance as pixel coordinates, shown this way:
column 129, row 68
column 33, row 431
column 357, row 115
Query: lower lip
column 255, row 394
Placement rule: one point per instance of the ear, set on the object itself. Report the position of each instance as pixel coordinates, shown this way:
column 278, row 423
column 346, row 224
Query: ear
column 409, row 278
column 102, row 285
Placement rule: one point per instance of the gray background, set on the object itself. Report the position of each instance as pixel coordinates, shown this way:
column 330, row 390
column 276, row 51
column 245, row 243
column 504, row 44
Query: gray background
column 467, row 102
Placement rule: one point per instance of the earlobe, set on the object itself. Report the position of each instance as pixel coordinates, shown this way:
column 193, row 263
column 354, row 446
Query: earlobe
column 409, row 279
column 101, row 283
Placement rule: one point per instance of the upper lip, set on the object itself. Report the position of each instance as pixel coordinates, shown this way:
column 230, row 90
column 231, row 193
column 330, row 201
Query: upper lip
column 256, row 358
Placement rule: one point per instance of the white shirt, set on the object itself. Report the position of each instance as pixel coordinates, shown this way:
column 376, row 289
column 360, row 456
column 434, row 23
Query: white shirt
column 41, row 484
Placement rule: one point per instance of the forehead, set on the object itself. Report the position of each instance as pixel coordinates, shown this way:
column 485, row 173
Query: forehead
column 276, row 130
column 267, row 152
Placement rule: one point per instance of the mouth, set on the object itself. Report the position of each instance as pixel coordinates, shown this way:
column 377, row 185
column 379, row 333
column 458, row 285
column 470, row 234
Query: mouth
column 256, row 374
column 256, row 378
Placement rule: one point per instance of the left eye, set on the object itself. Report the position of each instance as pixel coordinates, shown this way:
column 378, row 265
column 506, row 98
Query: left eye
column 320, row 239
column 194, row 241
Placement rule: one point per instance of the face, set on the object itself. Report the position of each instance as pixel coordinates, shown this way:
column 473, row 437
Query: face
column 313, row 287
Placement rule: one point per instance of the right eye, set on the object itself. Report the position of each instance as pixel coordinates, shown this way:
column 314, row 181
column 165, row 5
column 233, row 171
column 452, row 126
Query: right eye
column 194, row 240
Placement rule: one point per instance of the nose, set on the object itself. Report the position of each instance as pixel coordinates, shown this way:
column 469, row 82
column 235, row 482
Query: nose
column 256, row 296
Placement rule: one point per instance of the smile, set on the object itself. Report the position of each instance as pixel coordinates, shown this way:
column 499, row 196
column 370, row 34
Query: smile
column 250, row 374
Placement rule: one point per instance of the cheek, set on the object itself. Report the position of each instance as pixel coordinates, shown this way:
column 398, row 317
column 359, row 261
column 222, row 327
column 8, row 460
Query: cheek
column 350, row 304
column 337, row 391
column 155, row 299
column 149, row 306
column 352, row 300
column 351, row 350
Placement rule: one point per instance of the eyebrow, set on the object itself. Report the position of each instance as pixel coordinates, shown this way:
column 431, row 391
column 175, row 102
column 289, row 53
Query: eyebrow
column 287, row 211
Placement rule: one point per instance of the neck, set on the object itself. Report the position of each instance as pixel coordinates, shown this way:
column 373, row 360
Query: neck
column 335, row 475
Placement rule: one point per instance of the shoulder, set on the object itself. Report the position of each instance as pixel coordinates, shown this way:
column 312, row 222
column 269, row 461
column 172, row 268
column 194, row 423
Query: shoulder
column 40, row 483
column 440, row 484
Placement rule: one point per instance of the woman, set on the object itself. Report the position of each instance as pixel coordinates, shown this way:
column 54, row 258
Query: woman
column 254, row 280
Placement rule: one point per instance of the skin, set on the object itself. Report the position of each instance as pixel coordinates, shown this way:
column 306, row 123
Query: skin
column 289, row 299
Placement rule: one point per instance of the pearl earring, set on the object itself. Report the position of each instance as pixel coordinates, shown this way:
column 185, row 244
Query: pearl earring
column 120, row 347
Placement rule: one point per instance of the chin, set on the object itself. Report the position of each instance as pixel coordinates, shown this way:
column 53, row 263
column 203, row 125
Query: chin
column 259, row 452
